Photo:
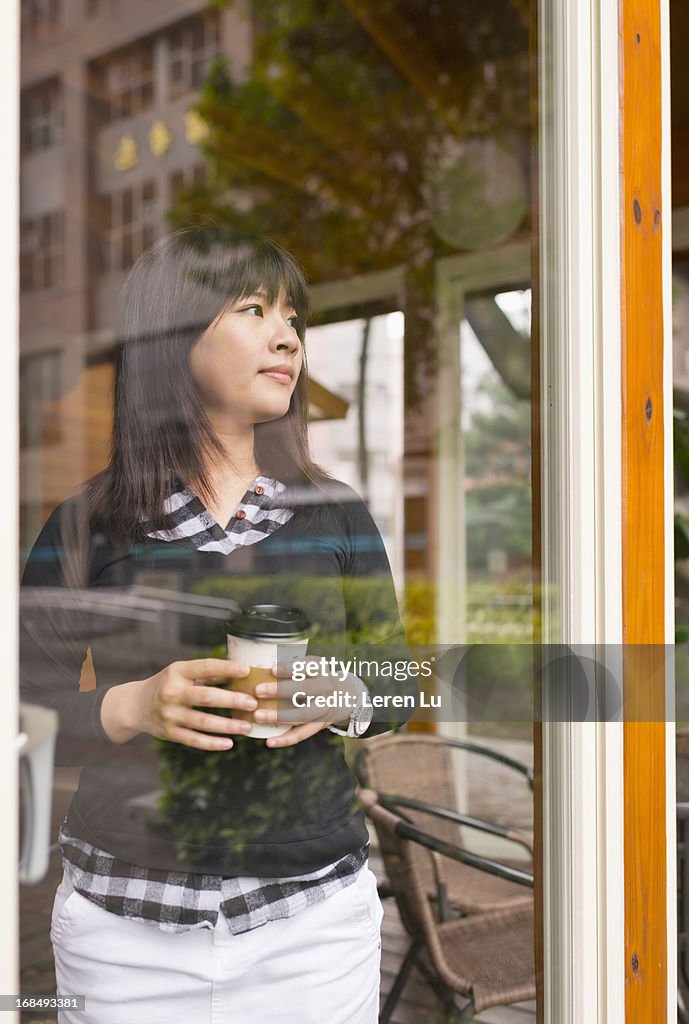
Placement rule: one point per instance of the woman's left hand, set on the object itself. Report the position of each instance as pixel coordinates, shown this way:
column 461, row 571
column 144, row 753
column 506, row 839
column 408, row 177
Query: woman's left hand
column 304, row 721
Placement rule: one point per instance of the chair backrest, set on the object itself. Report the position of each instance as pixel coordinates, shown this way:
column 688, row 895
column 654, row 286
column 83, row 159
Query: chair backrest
column 418, row 766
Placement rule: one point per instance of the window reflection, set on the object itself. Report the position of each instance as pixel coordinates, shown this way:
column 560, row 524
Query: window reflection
column 496, row 421
column 42, row 251
column 40, row 382
column 388, row 146
column 42, row 119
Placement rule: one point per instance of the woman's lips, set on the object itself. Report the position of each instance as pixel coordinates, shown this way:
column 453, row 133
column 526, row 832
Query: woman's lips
column 278, row 375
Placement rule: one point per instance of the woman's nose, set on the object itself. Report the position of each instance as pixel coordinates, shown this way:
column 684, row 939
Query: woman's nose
column 284, row 339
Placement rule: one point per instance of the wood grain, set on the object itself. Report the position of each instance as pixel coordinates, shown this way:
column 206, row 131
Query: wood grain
column 643, row 544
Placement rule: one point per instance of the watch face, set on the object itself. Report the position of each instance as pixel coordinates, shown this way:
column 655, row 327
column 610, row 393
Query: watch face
column 361, row 721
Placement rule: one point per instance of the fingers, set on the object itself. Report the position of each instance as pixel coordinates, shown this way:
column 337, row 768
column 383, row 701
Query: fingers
column 198, row 721
column 297, row 734
column 211, row 668
column 289, row 714
column 217, row 697
column 179, row 695
column 321, row 699
column 198, row 740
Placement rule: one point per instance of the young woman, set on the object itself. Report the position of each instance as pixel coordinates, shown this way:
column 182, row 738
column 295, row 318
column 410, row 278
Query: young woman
column 207, row 876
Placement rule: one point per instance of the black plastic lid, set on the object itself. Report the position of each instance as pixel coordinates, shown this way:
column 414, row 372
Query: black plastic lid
column 269, row 622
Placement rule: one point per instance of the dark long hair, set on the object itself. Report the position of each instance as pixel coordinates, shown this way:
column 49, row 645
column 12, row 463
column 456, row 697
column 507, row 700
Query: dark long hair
column 161, row 434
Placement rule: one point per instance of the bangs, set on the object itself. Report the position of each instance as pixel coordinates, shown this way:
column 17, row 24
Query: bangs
column 188, row 279
column 263, row 267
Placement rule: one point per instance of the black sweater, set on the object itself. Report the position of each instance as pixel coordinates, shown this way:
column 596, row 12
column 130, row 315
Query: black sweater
column 247, row 811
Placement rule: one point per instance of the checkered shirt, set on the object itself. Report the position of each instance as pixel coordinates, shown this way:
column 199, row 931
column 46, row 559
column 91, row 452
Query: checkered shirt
column 175, row 901
column 258, row 514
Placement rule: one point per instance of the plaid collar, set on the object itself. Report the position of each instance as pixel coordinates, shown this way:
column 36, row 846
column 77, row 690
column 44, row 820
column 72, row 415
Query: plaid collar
column 258, row 514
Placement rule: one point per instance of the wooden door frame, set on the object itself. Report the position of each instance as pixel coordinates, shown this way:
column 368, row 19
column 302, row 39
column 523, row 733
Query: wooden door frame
column 647, row 495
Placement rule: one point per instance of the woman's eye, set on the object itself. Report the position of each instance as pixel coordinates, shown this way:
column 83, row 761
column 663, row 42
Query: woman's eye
column 254, row 309
column 293, row 321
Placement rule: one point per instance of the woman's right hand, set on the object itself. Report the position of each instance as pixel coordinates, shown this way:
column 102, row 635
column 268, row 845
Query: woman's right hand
column 165, row 705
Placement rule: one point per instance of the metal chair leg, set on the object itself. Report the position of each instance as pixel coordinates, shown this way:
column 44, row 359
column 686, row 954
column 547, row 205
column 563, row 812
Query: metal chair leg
column 400, row 982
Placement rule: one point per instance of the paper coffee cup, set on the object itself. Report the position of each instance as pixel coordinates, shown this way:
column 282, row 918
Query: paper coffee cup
column 256, row 636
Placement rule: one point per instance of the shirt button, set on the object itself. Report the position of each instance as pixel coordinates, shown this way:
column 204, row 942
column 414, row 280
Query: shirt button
column 259, row 490
column 240, row 513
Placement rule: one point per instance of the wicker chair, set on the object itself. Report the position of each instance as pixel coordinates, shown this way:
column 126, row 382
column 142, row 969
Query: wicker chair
column 421, row 767
column 470, row 917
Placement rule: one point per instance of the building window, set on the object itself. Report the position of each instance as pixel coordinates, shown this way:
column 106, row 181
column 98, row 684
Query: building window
column 131, row 223
column 42, row 245
column 191, row 46
column 126, row 81
column 41, row 116
column 40, row 18
column 187, row 176
column 40, row 386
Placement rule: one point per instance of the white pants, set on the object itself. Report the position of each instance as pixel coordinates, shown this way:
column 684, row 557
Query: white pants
column 320, row 967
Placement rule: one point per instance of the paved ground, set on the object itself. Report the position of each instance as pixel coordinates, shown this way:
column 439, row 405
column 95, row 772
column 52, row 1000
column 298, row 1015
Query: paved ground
column 489, row 795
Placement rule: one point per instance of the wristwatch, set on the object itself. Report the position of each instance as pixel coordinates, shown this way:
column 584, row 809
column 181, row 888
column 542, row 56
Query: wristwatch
column 360, row 718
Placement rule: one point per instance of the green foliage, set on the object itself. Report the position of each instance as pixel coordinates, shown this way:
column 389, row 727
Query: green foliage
column 419, row 611
column 238, row 797
column 497, row 448
column 372, row 618
column 324, row 144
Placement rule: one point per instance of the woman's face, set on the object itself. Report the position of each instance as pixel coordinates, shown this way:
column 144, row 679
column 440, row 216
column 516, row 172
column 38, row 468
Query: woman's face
column 246, row 364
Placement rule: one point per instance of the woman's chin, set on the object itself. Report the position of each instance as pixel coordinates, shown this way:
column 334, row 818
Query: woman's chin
column 267, row 415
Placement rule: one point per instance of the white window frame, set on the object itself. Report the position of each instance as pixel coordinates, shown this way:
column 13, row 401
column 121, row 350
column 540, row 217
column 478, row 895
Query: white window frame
column 9, row 514
column 580, row 266
column 580, row 261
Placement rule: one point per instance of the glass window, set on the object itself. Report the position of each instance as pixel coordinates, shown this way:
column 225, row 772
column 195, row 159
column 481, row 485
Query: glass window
column 127, row 81
column 40, row 384
column 388, row 146
column 42, row 251
column 191, row 46
column 40, row 18
column 496, row 427
column 357, row 414
column 132, row 222
column 185, row 177
column 41, row 116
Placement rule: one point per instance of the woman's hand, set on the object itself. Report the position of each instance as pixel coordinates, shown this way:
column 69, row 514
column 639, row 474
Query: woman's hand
column 303, row 703
column 164, row 705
